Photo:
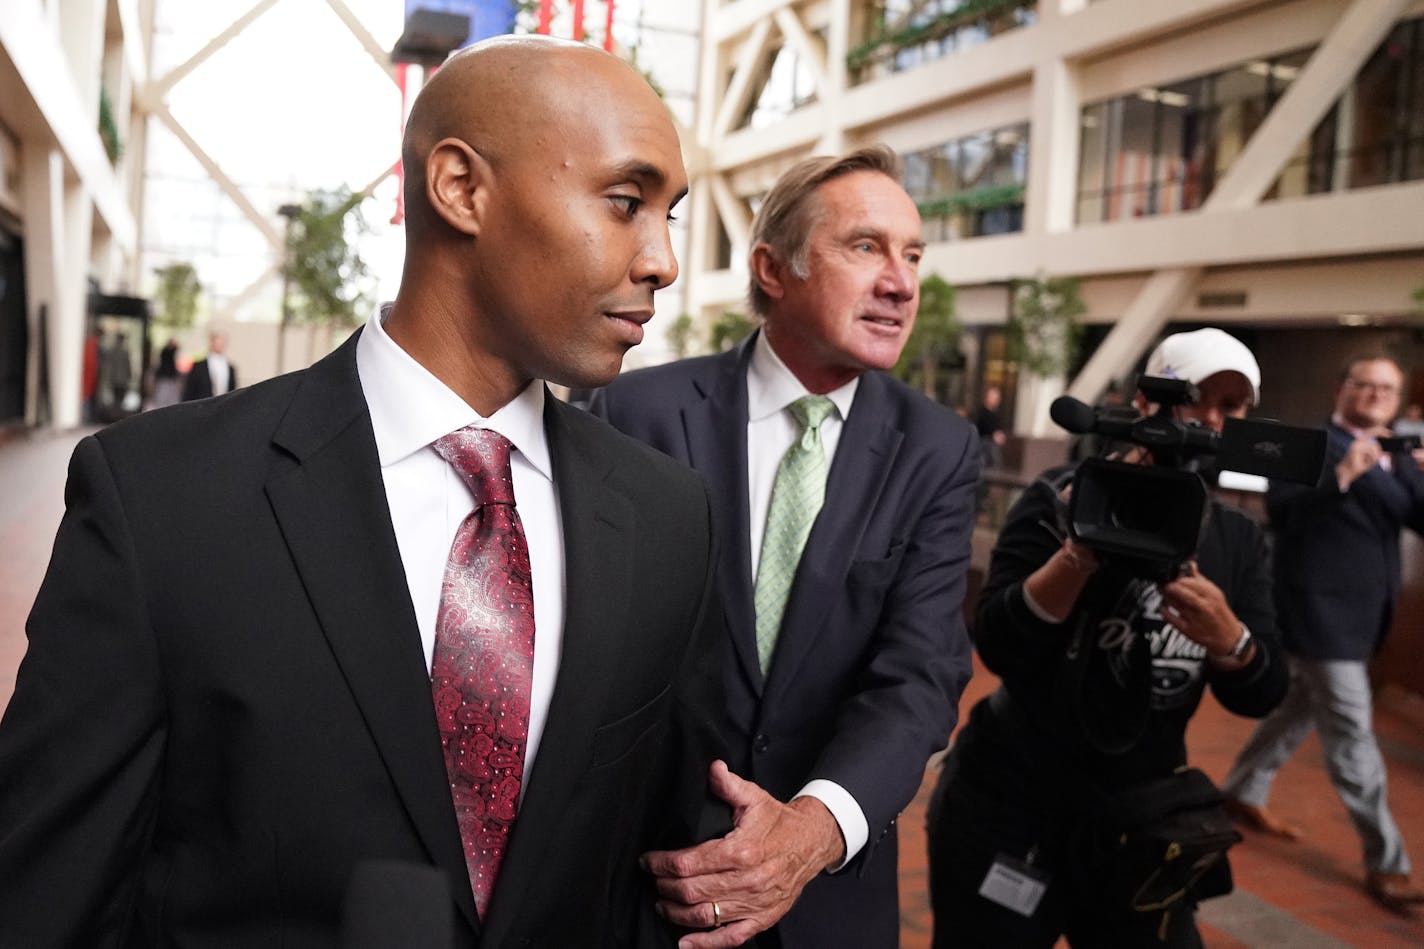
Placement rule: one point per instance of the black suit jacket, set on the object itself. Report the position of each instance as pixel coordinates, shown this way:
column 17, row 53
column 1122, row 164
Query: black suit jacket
column 1337, row 555
column 198, row 384
column 225, row 707
column 872, row 654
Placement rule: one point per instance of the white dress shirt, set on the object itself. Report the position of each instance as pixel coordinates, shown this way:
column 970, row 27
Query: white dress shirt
column 771, row 430
column 219, row 373
column 410, row 410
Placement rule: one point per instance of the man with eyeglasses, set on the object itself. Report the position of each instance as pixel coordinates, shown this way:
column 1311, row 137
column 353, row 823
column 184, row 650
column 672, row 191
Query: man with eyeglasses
column 1337, row 579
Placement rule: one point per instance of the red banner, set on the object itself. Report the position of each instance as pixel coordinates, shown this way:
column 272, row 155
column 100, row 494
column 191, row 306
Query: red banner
column 399, row 217
column 608, row 29
column 546, row 15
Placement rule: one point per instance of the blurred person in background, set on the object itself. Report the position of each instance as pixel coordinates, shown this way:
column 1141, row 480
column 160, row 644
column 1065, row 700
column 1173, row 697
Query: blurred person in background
column 1337, row 580
column 212, row 375
column 1411, row 422
column 990, row 428
column 167, row 380
column 1101, row 671
column 116, row 372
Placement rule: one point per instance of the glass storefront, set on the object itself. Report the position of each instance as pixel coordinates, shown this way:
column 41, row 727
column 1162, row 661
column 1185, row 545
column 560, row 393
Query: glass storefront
column 972, row 186
column 909, row 33
column 1161, row 150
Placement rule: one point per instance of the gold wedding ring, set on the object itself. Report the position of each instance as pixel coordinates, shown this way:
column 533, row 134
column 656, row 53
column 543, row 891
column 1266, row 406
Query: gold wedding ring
column 716, row 915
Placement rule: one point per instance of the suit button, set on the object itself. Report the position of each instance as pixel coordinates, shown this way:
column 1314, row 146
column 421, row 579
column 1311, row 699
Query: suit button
column 761, row 744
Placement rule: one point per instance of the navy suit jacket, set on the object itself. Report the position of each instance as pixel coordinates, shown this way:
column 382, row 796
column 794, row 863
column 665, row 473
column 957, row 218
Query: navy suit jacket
column 225, row 706
column 873, row 652
column 1337, row 555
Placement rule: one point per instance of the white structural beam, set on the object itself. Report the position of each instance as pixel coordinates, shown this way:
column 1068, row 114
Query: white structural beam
column 738, row 91
column 803, row 43
column 1329, row 71
column 160, row 88
column 135, row 46
column 363, row 36
column 733, row 212
column 730, row 20
column 1365, row 221
column 215, row 172
column 230, row 308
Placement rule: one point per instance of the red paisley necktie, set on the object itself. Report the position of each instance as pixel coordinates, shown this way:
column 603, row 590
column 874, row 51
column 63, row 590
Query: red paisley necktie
column 483, row 665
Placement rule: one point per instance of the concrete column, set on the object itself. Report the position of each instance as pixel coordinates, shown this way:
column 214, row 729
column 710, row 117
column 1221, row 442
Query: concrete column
column 833, row 90
column 1053, row 149
column 54, row 278
column 81, row 34
column 1160, row 298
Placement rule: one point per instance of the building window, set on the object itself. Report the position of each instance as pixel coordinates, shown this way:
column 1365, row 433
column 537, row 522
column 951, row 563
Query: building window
column 1162, row 150
column 972, row 186
column 905, row 34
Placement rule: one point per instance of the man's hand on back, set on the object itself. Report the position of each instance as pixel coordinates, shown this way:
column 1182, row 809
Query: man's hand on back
column 754, row 874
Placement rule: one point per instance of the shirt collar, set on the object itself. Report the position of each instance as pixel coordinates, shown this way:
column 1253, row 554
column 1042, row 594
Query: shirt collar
column 771, row 387
column 410, row 408
column 1338, row 421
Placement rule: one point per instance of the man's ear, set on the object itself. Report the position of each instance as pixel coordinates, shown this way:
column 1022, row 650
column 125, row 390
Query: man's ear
column 768, row 271
column 457, row 185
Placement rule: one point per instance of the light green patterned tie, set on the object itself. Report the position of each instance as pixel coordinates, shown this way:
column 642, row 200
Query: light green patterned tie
column 796, row 498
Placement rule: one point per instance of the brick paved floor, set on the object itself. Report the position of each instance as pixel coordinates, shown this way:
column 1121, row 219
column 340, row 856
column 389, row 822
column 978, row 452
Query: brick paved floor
column 1304, row 894
column 1297, row 895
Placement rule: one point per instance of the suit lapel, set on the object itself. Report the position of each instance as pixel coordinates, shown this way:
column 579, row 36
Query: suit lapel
column 332, row 511
column 716, row 426
column 598, row 526
column 864, row 458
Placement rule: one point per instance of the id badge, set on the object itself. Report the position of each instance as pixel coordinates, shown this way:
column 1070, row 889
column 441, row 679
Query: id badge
column 1014, row 885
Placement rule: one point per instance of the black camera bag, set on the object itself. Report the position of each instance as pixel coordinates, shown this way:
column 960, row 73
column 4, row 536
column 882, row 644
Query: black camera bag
column 1162, row 841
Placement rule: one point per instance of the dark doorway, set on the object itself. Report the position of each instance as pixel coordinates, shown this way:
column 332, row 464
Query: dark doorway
column 14, row 327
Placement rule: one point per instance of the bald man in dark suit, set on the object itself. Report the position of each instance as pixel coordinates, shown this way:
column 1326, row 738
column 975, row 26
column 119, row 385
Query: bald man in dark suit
column 403, row 606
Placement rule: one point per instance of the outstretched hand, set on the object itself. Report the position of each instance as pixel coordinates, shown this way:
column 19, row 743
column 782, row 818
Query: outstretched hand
column 754, row 874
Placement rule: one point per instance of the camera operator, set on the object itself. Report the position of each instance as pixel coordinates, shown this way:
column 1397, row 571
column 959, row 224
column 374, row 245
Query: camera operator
column 1101, row 671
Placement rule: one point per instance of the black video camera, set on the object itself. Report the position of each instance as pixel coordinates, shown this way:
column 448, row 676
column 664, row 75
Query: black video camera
column 1150, row 519
column 1394, row 443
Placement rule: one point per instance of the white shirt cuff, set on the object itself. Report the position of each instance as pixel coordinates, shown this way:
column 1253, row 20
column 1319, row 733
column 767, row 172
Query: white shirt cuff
column 849, row 817
column 1039, row 611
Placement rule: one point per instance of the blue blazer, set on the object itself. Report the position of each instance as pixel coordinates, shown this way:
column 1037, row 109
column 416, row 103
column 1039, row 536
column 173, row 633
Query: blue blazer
column 1337, row 555
column 873, row 652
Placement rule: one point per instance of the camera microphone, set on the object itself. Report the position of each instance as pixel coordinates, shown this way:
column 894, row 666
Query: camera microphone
column 1080, row 418
column 1071, row 415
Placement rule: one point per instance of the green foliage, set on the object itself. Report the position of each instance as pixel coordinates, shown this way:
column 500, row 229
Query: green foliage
column 109, row 128
column 679, row 335
column 1043, row 330
column 327, row 273
column 979, row 199
column 177, row 295
column 728, row 330
column 934, row 342
column 888, row 40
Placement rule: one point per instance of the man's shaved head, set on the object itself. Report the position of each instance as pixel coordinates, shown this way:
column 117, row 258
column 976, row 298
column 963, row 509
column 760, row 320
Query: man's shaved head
column 503, row 96
column 540, row 177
